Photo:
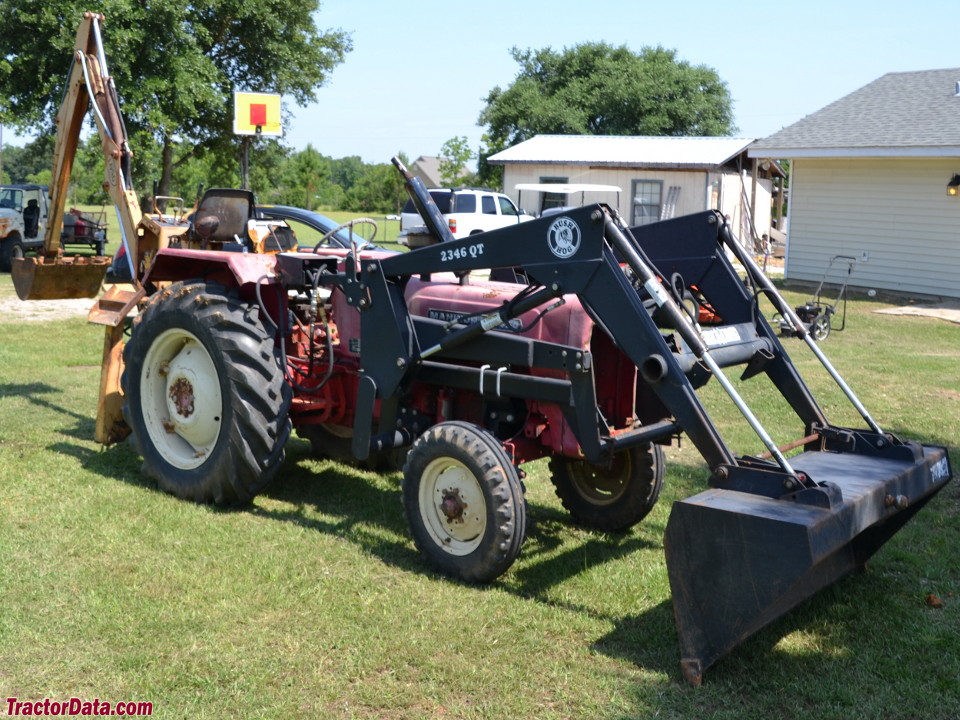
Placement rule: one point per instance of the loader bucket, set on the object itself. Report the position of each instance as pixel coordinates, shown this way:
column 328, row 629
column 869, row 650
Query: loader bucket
column 60, row 278
column 737, row 561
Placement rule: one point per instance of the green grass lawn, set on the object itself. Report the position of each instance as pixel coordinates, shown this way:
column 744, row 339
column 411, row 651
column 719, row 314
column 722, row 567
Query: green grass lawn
column 312, row 602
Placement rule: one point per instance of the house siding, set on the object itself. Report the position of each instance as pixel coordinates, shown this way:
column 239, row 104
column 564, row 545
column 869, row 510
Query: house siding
column 735, row 203
column 895, row 210
column 692, row 184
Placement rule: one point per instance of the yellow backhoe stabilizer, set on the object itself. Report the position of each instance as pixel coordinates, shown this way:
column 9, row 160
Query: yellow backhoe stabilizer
column 111, row 310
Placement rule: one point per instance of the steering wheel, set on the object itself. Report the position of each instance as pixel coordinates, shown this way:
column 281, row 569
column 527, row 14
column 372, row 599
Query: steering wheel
column 359, row 243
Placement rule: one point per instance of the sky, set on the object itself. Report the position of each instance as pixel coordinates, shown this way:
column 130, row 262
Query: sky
column 420, row 69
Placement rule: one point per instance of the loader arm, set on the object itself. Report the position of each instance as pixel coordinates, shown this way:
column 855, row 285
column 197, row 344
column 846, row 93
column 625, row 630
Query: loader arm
column 591, row 272
column 774, row 528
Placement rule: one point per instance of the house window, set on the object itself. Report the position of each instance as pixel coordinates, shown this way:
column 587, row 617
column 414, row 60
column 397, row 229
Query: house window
column 552, row 200
column 647, row 197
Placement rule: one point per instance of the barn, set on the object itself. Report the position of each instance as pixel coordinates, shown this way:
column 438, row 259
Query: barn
column 659, row 177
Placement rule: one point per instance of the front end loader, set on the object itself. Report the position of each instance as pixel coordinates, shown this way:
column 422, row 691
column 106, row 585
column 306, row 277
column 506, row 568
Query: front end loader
column 593, row 361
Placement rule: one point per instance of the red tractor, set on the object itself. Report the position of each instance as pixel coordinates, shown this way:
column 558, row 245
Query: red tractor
column 589, row 354
column 592, row 361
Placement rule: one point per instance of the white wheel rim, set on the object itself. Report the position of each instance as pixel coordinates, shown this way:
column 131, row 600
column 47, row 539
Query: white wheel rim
column 821, row 328
column 180, row 399
column 452, row 506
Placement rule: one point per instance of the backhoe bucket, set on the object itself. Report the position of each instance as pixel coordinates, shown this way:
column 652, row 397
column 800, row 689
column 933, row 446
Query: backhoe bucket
column 737, row 561
column 59, row 279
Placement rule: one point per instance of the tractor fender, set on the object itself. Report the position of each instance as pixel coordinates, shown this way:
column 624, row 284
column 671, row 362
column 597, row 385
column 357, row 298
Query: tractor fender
column 234, row 269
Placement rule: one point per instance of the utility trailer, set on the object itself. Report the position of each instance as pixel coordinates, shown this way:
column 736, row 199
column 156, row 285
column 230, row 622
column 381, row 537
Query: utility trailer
column 84, row 229
column 593, row 362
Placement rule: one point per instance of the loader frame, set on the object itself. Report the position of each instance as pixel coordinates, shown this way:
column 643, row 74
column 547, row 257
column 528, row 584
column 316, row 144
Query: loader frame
column 772, row 529
column 842, row 497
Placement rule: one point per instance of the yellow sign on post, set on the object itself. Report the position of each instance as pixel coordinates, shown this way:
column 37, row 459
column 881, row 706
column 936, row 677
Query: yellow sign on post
column 256, row 114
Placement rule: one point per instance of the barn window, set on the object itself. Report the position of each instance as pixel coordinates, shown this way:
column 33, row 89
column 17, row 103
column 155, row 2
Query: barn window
column 549, row 199
column 647, row 197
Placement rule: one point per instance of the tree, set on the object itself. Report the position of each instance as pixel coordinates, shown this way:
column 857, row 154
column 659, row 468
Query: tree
column 598, row 89
column 175, row 65
column 379, row 190
column 455, row 153
column 22, row 163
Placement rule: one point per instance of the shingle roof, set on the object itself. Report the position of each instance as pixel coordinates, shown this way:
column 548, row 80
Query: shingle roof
column 428, row 168
column 624, row 151
column 903, row 113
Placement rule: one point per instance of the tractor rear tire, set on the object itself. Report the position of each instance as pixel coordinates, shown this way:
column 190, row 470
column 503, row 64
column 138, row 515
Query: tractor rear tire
column 205, row 395
column 464, row 502
column 611, row 498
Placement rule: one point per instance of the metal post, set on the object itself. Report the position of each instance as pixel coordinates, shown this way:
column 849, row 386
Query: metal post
column 245, row 162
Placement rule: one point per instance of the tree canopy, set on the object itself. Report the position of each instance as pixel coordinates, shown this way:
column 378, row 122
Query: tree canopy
column 175, row 64
column 599, row 89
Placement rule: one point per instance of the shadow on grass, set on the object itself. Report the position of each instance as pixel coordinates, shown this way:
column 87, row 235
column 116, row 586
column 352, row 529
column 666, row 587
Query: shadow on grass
column 359, row 506
column 365, row 507
column 35, row 394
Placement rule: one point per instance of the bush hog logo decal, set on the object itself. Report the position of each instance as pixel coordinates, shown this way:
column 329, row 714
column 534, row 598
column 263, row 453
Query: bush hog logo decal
column 940, row 471
column 563, row 237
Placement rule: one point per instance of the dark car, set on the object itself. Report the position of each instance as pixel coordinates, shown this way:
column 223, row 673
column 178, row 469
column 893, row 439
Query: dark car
column 310, row 227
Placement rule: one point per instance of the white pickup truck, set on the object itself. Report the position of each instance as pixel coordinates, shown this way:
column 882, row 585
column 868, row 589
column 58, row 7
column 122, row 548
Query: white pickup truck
column 23, row 219
column 468, row 211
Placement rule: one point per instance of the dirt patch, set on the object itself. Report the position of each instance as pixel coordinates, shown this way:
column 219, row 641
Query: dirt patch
column 949, row 311
column 12, row 309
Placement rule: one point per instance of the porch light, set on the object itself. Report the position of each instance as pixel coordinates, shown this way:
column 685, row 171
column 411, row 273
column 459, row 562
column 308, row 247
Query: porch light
column 953, row 187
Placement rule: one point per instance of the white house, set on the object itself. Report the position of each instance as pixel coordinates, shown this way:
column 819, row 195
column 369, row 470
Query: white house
column 660, row 177
column 875, row 176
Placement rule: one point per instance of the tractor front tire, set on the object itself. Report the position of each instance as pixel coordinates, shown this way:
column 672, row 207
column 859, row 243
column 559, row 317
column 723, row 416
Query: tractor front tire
column 464, row 502
column 205, row 396
column 611, row 498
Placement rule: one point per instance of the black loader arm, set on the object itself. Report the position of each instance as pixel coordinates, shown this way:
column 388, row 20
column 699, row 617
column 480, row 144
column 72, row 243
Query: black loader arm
column 568, row 253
